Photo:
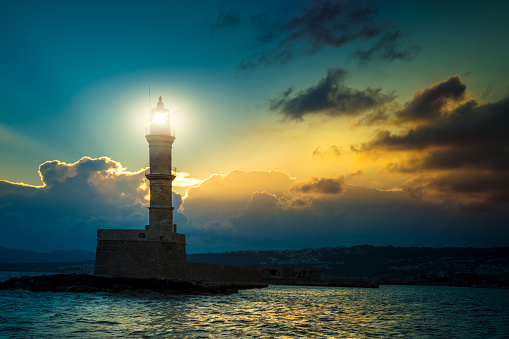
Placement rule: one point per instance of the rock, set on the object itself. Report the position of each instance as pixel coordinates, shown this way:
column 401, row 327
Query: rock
column 84, row 283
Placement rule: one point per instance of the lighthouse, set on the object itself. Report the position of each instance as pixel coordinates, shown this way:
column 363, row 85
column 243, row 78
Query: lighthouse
column 160, row 138
column 158, row 250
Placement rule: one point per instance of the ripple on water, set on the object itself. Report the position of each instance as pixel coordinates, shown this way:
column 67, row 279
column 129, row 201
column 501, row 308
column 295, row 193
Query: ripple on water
column 276, row 312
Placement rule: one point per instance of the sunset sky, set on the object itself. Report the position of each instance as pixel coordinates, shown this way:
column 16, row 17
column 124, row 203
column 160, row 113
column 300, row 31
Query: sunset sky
column 298, row 123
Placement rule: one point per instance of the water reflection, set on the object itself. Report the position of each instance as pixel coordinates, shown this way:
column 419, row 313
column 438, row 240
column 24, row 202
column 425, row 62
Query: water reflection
column 280, row 311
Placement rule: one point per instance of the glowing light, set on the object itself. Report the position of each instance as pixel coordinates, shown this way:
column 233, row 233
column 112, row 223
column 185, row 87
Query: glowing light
column 118, row 169
column 143, row 187
column 147, row 197
column 182, row 180
column 161, row 118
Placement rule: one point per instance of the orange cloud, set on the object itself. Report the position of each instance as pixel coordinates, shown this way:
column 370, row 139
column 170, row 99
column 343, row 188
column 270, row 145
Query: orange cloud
column 333, row 151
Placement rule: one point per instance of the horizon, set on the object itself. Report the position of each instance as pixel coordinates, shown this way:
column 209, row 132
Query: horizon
column 257, row 250
column 305, row 124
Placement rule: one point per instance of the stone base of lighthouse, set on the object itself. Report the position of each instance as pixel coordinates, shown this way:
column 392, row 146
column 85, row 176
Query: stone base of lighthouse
column 159, row 254
column 141, row 253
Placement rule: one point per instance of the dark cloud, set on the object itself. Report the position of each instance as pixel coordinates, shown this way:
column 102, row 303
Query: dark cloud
column 73, row 202
column 266, row 31
column 470, row 129
column 338, row 214
column 428, row 104
column 330, row 97
column 467, row 191
column 226, row 19
column 328, row 23
column 319, row 186
column 492, row 93
column 387, row 47
column 459, row 152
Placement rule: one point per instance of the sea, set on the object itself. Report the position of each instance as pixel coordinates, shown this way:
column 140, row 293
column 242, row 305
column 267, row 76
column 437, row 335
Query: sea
column 390, row 311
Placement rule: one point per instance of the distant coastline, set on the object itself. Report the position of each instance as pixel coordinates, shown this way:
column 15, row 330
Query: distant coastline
column 456, row 266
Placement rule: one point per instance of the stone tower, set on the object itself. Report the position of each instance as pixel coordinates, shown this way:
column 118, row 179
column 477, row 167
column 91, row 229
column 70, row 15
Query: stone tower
column 160, row 140
column 158, row 250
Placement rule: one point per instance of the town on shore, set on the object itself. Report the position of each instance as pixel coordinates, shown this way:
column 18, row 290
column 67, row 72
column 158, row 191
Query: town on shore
column 483, row 267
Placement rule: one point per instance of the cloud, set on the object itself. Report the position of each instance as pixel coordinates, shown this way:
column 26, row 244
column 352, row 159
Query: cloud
column 457, row 148
column 357, row 173
column 430, row 103
column 387, row 48
column 330, row 97
column 333, row 151
column 242, row 210
column 471, row 191
column 227, row 193
column 226, row 19
column 265, row 30
column 182, row 179
column 319, row 212
column 72, row 203
column 327, row 23
column 319, row 186
column 476, row 131
column 379, row 115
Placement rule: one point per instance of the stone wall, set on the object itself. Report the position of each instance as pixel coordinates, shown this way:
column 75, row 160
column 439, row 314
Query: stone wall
column 159, row 254
column 140, row 258
column 222, row 273
column 141, row 235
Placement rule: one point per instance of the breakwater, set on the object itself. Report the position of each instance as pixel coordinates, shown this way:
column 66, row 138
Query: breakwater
column 85, row 283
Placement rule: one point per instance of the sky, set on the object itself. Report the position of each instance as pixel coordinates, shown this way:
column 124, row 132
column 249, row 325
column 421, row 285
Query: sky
column 299, row 124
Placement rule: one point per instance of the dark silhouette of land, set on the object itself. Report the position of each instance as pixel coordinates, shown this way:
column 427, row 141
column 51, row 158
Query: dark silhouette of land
column 85, row 267
column 25, row 256
column 384, row 264
column 86, row 283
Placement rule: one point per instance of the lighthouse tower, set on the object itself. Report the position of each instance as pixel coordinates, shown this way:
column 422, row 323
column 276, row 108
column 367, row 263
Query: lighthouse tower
column 160, row 139
column 158, row 250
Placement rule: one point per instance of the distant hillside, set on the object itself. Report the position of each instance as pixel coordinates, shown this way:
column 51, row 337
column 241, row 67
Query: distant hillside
column 381, row 262
column 365, row 262
column 24, row 256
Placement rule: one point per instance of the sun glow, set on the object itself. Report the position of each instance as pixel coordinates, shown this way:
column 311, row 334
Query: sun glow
column 161, row 118
column 182, row 180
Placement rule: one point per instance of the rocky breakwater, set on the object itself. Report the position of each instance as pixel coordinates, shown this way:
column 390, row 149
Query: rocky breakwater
column 85, row 283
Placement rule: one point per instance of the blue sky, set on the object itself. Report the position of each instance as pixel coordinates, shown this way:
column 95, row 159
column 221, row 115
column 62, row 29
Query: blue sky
column 366, row 78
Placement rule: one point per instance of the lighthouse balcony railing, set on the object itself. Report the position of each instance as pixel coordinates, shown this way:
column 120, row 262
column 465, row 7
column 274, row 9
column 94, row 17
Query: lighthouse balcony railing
column 159, row 129
column 173, row 171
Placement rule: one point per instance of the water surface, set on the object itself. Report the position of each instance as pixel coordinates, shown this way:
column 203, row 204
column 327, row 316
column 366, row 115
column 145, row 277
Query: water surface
column 275, row 312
